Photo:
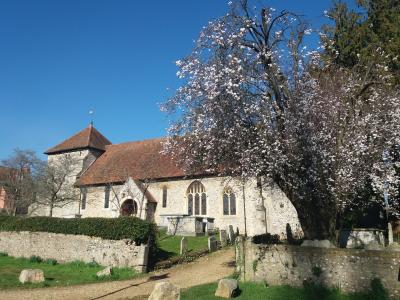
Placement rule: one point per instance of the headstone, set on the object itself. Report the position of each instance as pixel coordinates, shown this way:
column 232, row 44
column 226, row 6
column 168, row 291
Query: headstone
column 317, row 244
column 184, row 245
column 105, row 272
column 374, row 245
column 359, row 237
column 390, row 233
column 142, row 259
column 31, row 275
column 393, row 247
column 231, row 234
column 212, row 244
column 165, row 291
column 223, row 237
column 226, row 288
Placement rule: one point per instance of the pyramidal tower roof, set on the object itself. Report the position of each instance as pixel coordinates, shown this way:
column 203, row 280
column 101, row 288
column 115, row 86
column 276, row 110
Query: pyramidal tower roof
column 89, row 137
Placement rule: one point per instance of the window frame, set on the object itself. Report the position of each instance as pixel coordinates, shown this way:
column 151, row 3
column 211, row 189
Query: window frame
column 229, row 198
column 107, row 193
column 83, row 198
column 164, row 196
column 196, row 197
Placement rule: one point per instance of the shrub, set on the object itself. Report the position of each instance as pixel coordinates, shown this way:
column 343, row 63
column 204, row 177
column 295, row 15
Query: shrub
column 51, row 261
column 35, row 259
column 266, row 238
column 378, row 291
column 317, row 271
column 317, row 291
column 135, row 229
column 93, row 264
column 3, row 254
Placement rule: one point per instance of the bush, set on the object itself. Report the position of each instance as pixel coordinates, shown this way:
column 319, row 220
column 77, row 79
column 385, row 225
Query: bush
column 35, row 259
column 317, row 271
column 135, row 229
column 51, row 261
column 378, row 291
column 3, row 254
column 266, row 238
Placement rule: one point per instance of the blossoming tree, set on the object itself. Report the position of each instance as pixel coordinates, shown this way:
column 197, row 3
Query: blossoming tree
column 255, row 102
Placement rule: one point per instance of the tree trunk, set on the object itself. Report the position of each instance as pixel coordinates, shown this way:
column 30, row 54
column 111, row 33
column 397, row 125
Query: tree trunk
column 51, row 210
column 318, row 220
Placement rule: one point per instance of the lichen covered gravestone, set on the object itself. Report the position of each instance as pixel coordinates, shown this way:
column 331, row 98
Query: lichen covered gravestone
column 212, row 244
column 184, row 245
column 165, row 291
column 105, row 272
column 31, row 275
column 223, row 238
column 232, row 235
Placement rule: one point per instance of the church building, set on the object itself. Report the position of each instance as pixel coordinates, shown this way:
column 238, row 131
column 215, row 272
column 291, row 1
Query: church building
column 137, row 179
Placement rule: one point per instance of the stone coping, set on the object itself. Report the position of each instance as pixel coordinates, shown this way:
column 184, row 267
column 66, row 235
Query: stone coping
column 332, row 251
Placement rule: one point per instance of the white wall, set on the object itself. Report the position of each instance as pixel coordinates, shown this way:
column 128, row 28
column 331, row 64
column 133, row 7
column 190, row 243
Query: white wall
column 267, row 211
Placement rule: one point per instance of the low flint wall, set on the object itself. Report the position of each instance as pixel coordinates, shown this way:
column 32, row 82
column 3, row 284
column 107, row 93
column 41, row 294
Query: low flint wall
column 351, row 270
column 67, row 248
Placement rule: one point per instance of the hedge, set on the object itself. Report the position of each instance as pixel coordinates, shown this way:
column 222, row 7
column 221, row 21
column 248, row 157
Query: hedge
column 138, row 230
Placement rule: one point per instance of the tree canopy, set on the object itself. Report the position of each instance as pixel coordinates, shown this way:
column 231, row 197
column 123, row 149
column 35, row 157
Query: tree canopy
column 255, row 102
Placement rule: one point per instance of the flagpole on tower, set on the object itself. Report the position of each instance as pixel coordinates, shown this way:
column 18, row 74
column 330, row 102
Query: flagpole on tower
column 91, row 113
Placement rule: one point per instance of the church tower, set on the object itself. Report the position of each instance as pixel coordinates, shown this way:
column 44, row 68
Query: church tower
column 83, row 148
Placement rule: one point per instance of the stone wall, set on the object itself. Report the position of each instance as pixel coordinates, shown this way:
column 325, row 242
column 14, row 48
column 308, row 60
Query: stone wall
column 67, row 248
column 349, row 269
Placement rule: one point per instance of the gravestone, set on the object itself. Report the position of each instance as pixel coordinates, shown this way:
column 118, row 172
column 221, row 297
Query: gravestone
column 390, row 234
column 212, row 244
column 31, row 275
column 165, row 291
column 232, row 235
column 105, row 272
column 226, row 288
column 223, row 237
column 184, row 245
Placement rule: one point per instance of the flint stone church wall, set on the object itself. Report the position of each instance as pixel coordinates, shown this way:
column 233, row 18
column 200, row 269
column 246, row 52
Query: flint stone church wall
column 67, row 248
column 351, row 270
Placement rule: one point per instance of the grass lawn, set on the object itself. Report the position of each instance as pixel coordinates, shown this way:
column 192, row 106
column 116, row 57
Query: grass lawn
column 55, row 274
column 255, row 291
column 169, row 245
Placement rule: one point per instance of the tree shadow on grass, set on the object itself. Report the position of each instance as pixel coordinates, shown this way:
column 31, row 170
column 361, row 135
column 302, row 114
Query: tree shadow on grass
column 160, row 255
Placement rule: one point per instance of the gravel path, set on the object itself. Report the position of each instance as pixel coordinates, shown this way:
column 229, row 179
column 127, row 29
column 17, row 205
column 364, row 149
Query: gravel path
column 206, row 269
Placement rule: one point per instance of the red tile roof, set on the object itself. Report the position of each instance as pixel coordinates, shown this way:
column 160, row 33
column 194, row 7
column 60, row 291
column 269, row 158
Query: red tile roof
column 138, row 160
column 87, row 138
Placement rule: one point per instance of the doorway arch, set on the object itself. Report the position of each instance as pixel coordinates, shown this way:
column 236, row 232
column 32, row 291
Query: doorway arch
column 129, row 208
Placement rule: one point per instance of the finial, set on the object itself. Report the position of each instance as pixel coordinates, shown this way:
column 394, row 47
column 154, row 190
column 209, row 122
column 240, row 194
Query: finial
column 91, row 112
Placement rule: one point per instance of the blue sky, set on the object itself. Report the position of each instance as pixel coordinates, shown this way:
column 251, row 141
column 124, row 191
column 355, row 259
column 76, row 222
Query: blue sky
column 59, row 59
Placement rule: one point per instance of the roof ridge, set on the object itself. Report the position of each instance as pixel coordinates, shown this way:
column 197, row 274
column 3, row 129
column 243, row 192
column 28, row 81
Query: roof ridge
column 88, row 137
column 90, row 134
column 138, row 141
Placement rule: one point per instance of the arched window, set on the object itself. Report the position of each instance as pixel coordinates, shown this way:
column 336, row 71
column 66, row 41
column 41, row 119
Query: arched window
column 229, row 202
column 197, row 193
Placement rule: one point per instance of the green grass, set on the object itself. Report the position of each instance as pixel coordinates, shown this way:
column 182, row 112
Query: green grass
column 169, row 245
column 255, row 291
column 55, row 274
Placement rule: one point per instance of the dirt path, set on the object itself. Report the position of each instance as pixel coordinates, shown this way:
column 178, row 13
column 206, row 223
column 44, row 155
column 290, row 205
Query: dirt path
column 206, row 269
